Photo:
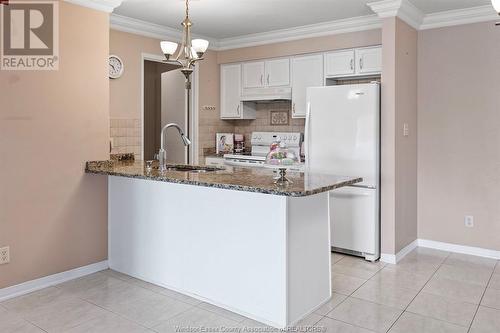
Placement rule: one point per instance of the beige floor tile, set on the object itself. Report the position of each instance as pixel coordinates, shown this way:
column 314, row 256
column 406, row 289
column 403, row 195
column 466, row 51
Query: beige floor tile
column 376, row 292
column 146, row 307
column 25, row 304
column 336, row 257
column 478, row 275
column 334, row 326
column 110, row 323
column 427, row 255
column 494, row 282
column 62, row 315
column 391, row 277
column 466, row 260
column 497, row 267
column 164, row 291
column 416, row 265
column 194, row 318
column 85, row 285
column 449, row 310
column 106, row 294
column 12, row 323
column 491, row 298
column 375, row 317
column 430, row 252
column 413, row 323
column 310, row 320
column 357, row 267
column 334, row 302
column 486, row 321
column 222, row 312
column 117, row 275
column 459, row 290
column 344, row 284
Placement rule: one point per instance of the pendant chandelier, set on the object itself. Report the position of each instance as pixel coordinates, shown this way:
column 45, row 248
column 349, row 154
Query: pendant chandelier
column 189, row 52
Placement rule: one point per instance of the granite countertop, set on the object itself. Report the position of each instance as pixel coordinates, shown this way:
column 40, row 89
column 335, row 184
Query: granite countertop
column 258, row 180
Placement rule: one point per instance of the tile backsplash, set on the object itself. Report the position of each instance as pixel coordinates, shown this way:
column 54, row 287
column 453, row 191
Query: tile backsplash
column 126, row 136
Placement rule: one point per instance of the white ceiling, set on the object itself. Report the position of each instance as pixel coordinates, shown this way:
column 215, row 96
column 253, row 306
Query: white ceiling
column 230, row 18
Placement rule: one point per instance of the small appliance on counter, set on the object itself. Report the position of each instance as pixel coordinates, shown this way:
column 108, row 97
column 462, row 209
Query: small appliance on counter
column 239, row 143
column 224, row 143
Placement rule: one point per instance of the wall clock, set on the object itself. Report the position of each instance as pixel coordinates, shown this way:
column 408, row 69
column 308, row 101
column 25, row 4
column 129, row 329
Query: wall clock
column 115, row 67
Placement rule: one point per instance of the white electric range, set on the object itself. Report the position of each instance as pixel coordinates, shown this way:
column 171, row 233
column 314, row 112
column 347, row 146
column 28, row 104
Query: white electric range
column 261, row 141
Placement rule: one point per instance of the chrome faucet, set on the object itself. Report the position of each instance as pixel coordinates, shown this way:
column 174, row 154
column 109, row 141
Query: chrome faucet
column 162, row 154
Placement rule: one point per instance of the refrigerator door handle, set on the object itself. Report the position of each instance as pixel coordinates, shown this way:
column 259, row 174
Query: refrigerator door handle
column 306, row 134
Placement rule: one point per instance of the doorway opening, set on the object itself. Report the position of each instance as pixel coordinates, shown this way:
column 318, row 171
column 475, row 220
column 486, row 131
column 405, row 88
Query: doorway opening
column 163, row 102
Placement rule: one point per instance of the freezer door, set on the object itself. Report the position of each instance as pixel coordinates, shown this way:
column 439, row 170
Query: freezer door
column 342, row 131
column 354, row 219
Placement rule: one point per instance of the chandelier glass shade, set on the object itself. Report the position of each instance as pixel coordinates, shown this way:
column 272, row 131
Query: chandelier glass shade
column 189, row 51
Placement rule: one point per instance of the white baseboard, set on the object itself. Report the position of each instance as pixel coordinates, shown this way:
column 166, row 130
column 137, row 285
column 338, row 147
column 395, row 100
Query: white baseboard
column 395, row 258
column 475, row 251
column 47, row 281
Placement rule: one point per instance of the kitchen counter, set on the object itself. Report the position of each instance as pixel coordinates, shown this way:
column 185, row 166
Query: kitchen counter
column 234, row 178
column 232, row 238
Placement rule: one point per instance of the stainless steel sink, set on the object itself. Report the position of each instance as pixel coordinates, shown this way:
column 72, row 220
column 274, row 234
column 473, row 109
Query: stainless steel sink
column 192, row 168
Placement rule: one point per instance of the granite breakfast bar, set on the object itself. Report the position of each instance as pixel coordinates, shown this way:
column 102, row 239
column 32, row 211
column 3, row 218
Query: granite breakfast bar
column 231, row 237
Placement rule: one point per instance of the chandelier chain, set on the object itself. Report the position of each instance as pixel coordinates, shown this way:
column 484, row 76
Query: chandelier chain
column 187, row 8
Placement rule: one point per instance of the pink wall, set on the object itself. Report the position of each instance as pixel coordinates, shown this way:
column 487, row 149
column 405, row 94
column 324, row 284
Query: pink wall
column 52, row 215
column 459, row 134
column 398, row 153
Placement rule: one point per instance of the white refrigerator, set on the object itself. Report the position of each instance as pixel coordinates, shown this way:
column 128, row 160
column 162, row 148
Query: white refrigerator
column 342, row 137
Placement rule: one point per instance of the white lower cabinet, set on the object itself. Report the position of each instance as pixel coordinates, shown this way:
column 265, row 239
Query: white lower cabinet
column 307, row 71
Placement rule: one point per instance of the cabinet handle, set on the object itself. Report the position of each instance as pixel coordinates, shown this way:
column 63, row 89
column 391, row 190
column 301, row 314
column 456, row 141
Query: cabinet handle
column 293, row 108
column 361, row 63
column 261, row 79
column 352, row 64
column 267, row 78
column 238, row 110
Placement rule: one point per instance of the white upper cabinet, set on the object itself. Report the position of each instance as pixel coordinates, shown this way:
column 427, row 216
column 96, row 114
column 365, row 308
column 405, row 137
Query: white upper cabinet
column 340, row 63
column 269, row 73
column 231, row 106
column 277, row 72
column 355, row 62
column 307, row 71
column 369, row 60
column 254, row 74
column 230, row 91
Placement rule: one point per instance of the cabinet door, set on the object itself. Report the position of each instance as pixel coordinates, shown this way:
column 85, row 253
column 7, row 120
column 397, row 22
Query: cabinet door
column 277, row 72
column 307, row 71
column 230, row 91
column 339, row 63
column 369, row 60
column 253, row 74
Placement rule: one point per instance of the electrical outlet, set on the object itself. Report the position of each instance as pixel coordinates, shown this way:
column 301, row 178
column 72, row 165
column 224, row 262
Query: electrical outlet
column 4, row 255
column 469, row 221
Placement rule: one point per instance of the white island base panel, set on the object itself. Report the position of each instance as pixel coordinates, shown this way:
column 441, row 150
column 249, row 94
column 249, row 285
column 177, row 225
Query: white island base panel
column 263, row 256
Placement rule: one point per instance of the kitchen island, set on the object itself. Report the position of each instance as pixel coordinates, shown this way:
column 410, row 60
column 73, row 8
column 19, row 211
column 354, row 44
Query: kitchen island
column 232, row 238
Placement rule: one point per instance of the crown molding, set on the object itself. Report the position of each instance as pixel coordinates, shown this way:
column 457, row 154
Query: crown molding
column 403, row 9
column 362, row 23
column 458, row 17
column 102, row 5
column 386, row 8
column 143, row 28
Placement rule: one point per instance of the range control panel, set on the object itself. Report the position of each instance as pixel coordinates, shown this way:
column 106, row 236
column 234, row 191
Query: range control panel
column 266, row 138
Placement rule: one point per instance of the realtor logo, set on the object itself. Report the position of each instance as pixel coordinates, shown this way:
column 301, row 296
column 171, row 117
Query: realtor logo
column 29, row 35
